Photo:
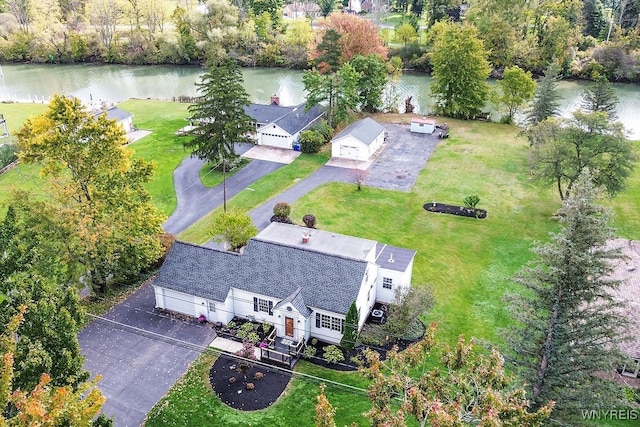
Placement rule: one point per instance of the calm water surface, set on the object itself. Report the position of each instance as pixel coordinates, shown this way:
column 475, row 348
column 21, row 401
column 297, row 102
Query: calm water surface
column 116, row 83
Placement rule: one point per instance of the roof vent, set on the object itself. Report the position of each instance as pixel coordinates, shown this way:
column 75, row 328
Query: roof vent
column 391, row 260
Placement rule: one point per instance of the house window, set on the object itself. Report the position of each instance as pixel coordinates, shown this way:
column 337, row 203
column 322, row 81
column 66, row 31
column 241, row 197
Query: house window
column 264, row 305
column 387, row 282
column 212, row 306
column 329, row 322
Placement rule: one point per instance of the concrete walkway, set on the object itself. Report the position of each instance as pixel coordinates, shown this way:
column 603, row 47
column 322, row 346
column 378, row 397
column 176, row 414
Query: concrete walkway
column 230, row 346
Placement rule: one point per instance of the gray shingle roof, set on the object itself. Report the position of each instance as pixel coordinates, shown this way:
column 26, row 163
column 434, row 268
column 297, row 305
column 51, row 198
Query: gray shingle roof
column 263, row 113
column 115, row 113
column 365, row 131
column 297, row 301
column 298, row 119
column 327, row 282
column 393, row 257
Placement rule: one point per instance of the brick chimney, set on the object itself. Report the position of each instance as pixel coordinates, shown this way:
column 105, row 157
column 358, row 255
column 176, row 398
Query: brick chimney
column 275, row 100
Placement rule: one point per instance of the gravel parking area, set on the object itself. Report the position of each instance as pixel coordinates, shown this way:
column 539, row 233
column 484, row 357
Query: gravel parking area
column 402, row 157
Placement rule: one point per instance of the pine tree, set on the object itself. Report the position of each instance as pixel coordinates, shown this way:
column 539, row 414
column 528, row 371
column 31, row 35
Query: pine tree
column 567, row 325
column 350, row 334
column 220, row 115
column 601, row 97
column 545, row 101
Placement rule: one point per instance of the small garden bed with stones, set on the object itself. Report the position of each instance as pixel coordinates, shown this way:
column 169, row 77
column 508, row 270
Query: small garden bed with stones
column 456, row 210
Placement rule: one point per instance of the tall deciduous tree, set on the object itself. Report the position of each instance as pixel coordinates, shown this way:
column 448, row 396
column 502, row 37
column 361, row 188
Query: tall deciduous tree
column 514, row 89
column 358, row 36
column 371, row 83
column 105, row 225
column 220, row 118
column 460, row 388
column 460, row 70
column 601, row 97
column 338, row 89
column 562, row 148
column 326, row 7
column 568, row 325
column 545, row 100
column 44, row 404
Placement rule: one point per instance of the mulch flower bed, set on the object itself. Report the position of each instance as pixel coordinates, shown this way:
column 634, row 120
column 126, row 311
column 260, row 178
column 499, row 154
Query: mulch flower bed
column 456, row 210
column 266, row 389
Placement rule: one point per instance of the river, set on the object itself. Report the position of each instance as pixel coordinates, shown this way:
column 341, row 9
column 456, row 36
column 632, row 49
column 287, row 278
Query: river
column 115, row 83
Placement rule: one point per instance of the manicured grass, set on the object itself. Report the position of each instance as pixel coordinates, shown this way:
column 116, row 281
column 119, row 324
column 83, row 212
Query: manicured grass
column 211, row 177
column 261, row 191
column 162, row 146
column 192, row 402
column 17, row 114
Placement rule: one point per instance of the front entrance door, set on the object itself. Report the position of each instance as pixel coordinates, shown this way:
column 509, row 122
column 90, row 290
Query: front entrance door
column 288, row 326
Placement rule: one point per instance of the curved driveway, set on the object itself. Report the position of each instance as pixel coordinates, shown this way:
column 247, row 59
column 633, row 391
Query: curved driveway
column 195, row 200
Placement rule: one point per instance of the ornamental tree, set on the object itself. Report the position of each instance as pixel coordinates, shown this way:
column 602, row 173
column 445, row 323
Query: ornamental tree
column 235, row 228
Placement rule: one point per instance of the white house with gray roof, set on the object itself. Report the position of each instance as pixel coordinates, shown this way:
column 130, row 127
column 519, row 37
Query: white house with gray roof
column 358, row 141
column 300, row 280
column 123, row 118
column 278, row 126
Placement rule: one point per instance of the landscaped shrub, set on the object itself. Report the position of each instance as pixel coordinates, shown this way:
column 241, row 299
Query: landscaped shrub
column 323, row 128
column 250, row 386
column 309, row 220
column 333, row 354
column 258, row 376
column 232, row 380
column 309, row 352
column 282, row 209
column 471, row 201
column 311, row 141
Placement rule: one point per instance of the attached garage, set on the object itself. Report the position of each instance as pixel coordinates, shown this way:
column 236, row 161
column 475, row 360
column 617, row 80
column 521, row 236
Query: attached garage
column 273, row 136
column 359, row 141
column 175, row 301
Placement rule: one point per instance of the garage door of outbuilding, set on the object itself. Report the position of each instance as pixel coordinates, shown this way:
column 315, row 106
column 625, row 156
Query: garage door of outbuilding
column 349, row 152
column 179, row 302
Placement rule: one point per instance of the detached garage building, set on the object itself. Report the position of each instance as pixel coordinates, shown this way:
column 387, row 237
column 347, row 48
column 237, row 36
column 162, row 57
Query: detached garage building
column 358, row 141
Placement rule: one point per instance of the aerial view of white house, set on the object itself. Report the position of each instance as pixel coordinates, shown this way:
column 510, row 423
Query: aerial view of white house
column 298, row 279
column 279, row 126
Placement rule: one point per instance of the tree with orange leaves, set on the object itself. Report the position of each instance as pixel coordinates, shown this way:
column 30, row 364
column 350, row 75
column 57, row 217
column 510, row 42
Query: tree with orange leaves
column 358, row 36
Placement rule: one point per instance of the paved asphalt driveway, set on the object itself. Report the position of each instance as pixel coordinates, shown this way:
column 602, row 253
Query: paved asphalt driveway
column 143, row 358
column 404, row 155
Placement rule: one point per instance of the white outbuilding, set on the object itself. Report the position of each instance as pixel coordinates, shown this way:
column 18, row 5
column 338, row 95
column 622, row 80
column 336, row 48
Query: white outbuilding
column 358, row 141
column 422, row 125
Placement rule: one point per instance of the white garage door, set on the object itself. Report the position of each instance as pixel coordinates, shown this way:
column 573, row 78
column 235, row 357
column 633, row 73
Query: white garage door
column 275, row 141
column 349, row 152
column 177, row 301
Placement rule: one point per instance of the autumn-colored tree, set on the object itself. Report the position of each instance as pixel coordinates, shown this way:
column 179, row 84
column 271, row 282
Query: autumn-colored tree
column 325, row 412
column 358, row 36
column 100, row 215
column 460, row 388
column 44, row 405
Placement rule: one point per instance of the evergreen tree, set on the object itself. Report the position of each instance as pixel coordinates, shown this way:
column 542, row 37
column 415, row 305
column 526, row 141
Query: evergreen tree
column 220, row 116
column 460, row 70
column 350, row 334
column 601, row 97
column 545, row 101
column 568, row 324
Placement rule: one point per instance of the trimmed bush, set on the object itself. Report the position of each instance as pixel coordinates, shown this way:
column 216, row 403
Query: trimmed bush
column 309, row 352
column 282, row 209
column 309, row 220
column 7, row 154
column 258, row 376
column 333, row 354
column 471, row 201
column 311, row 141
column 250, row 386
column 232, row 380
